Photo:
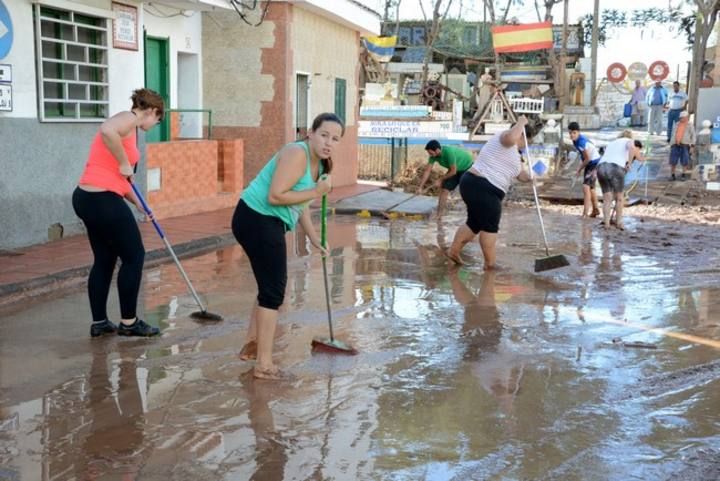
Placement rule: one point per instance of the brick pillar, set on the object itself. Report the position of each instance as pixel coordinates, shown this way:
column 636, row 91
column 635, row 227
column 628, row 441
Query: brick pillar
column 231, row 158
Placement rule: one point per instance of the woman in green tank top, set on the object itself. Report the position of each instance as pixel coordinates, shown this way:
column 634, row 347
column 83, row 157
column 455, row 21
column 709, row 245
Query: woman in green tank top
column 274, row 202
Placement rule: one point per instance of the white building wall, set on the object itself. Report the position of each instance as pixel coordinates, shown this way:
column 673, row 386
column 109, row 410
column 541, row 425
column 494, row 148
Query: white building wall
column 185, row 36
column 22, row 59
column 326, row 51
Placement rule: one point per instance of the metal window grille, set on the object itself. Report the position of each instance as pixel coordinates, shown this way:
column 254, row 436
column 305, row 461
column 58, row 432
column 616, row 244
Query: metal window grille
column 72, row 65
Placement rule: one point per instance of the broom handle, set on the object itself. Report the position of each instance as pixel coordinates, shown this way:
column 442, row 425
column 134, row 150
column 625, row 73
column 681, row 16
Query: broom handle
column 169, row 248
column 323, row 242
column 537, row 201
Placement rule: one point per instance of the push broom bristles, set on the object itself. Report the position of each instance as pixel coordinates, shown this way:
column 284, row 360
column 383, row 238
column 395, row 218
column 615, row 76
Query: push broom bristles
column 320, row 344
column 206, row 316
column 549, row 263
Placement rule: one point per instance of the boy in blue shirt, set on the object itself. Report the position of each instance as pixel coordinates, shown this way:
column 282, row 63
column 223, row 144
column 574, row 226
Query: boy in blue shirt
column 590, row 157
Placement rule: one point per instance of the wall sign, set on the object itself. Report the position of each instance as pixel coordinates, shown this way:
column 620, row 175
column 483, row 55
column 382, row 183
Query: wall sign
column 125, row 26
column 6, row 31
column 404, row 128
column 5, row 72
column 6, row 98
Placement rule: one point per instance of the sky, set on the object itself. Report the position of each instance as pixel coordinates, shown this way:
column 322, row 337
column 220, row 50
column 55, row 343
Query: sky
column 625, row 46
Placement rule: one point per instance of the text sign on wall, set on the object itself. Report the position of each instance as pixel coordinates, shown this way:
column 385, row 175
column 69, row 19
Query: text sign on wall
column 125, row 26
column 403, row 128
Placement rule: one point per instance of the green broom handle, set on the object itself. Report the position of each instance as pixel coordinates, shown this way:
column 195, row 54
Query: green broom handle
column 323, row 221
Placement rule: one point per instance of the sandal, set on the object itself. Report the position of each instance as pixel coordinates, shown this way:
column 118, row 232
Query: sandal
column 248, row 351
column 273, row 374
column 620, row 226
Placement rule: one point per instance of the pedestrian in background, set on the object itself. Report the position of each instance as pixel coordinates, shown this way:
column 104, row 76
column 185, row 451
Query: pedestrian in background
column 656, row 99
column 639, row 105
column 455, row 159
column 483, row 188
column 611, row 171
column 677, row 101
column 683, row 138
column 590, row 158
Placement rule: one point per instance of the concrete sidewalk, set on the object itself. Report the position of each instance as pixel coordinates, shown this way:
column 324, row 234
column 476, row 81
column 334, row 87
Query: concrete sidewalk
column 43, row 268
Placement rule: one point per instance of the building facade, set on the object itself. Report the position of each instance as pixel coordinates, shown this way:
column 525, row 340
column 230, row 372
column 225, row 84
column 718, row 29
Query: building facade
column 266, row 83
column 69, row 66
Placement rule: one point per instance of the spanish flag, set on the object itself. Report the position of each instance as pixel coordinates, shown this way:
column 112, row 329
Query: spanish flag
column 522, row 38
column 382, row 48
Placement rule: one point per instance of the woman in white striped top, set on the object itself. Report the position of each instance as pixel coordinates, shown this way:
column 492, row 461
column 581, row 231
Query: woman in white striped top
column 484, row 186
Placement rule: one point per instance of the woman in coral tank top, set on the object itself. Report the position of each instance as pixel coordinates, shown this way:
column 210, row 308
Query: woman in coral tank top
column 99, row 200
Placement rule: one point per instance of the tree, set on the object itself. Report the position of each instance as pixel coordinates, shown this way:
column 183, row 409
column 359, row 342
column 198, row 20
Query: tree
column 433, row 31
column 707, row 13
column 549, row 4
column 494, row 9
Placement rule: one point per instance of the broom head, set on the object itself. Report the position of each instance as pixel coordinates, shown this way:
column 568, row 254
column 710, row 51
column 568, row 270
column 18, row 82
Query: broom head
column 324, row 344
column 552, row 262
column 206, row 316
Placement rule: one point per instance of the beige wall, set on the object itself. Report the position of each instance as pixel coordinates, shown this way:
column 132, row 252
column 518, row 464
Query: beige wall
column 326, row 51
column 234, row 86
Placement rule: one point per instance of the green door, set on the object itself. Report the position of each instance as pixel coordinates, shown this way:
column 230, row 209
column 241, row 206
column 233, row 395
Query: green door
column 157, row 78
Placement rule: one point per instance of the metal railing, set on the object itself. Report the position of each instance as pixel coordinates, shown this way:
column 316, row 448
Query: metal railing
column 382, row 159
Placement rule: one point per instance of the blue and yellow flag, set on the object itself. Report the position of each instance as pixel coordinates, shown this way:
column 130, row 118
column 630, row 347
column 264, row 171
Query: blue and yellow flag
column 381, row 48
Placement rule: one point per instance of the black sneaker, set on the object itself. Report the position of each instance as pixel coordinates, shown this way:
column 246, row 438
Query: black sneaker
column 138, row 328
column 97, row 329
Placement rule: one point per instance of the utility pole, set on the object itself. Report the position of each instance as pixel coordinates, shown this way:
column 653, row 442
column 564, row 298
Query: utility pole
column 563, row 60
column 594, row 51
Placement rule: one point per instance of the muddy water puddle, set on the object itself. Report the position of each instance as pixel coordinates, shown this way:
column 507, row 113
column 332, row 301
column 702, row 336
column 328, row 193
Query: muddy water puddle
column 462, row 374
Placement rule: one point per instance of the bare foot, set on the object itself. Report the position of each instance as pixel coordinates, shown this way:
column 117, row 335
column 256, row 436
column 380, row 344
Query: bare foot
column 271, row 373
column 494, row 268
column 455, row 258
column 248, row 351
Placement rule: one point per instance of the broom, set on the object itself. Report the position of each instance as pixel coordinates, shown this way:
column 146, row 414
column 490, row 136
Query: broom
column 323, row 344
column 203, row 314
column 548, row 262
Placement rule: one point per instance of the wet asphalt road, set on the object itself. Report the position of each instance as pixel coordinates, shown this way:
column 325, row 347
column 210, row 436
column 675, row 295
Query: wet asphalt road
column 462, row 375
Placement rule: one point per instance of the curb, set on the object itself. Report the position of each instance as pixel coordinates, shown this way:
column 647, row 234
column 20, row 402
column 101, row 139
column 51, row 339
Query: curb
column 69, row 278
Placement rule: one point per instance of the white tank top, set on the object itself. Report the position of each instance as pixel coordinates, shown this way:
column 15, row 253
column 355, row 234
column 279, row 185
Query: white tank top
column 497, row 163
column 616, row 152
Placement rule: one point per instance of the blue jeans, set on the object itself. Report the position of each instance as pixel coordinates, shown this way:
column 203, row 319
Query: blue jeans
column 673, row 116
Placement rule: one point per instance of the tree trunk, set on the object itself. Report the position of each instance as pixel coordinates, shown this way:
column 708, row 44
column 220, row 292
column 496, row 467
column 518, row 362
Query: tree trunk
column 561, row 81
column 704, row 24
column 432, row 35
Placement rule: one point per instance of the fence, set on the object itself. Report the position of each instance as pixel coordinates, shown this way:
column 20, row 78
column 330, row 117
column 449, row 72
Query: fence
column 382, row 159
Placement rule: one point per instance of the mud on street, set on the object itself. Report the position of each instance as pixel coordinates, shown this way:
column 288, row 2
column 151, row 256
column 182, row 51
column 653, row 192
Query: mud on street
column 604, row 370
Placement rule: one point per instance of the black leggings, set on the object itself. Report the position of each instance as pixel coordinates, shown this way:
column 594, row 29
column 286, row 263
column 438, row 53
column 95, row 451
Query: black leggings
column 263, row 239
column 113, row 233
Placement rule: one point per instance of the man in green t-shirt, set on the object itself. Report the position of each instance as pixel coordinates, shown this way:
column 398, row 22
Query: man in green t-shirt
column 455, row 159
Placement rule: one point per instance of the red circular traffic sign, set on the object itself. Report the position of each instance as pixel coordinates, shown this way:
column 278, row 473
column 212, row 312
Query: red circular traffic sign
column 616, row 72
column 659, row 70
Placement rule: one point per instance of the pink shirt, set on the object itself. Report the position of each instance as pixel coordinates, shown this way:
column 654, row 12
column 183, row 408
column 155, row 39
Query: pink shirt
column 102, row 169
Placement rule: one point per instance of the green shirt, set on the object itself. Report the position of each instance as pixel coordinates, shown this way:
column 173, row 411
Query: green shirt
column 256, row 194
column 456, row 156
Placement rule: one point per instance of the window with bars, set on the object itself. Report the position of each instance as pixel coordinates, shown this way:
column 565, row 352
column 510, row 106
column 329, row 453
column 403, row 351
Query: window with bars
column 72, row 58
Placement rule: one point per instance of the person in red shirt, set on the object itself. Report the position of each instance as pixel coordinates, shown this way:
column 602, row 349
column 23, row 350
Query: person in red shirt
column 99, row 201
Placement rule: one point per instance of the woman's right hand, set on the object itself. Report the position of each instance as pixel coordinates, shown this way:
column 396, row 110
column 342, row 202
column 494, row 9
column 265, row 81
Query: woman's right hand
column 126, row 171
column 323, row 185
